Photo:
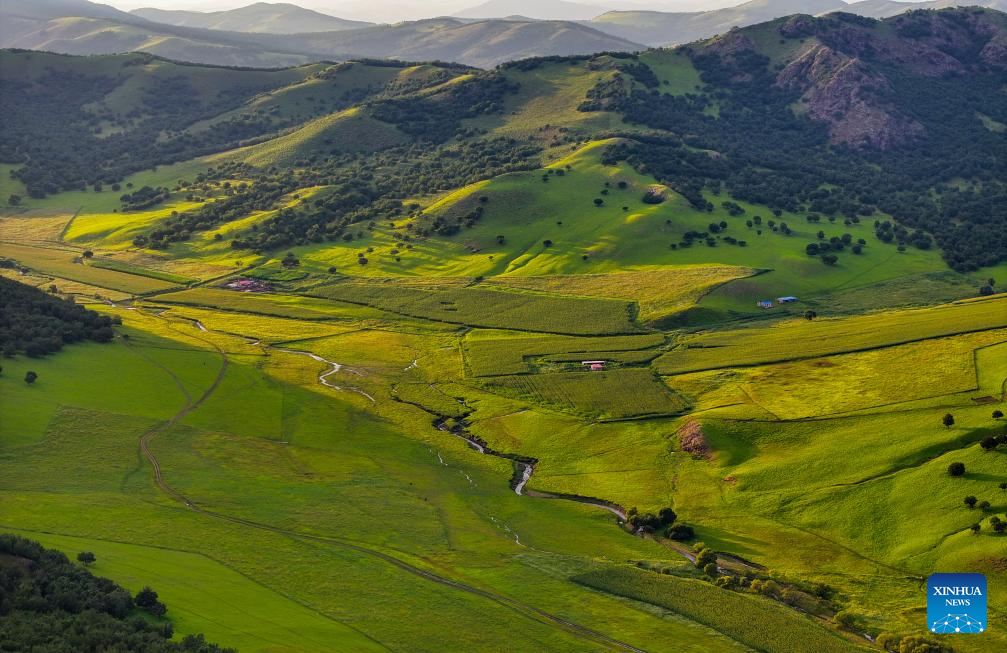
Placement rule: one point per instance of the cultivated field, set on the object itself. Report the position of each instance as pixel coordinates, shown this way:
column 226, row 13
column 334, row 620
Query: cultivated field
column 612, row 394
column 68, row 264
column 800, row 338
column 474, row 306
column 491, row 353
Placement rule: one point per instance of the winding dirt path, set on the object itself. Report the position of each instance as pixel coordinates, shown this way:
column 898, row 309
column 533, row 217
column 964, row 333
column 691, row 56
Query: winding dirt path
column 523, row 609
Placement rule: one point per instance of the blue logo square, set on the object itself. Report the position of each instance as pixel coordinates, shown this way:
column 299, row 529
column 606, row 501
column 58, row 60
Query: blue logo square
column 956, row 603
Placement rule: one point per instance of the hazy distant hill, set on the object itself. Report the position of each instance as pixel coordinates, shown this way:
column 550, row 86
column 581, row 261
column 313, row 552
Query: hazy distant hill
column 538, row 9
column 888, row 8
column 79, row 27
column 658, row 28
column 481, row 43
column 272, row 18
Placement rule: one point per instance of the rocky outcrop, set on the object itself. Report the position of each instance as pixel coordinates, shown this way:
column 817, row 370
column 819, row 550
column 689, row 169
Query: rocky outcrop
column 841, row 91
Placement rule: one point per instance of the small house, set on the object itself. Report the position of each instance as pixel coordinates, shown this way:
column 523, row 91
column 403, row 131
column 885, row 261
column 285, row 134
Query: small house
column 765, row 303
column 786, row 300
column 594, row 366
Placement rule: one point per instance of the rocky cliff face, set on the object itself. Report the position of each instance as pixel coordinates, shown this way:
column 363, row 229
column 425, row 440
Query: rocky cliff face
column 840, row 64
column 841, row 90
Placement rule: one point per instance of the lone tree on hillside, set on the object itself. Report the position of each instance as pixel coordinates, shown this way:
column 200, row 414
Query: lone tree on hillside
column 956, row 469
column 989, row 443
column 30, row 377
column 949, row 420
column 997, row 414
column 969, row 501
column 86, row 558
column 975, row 528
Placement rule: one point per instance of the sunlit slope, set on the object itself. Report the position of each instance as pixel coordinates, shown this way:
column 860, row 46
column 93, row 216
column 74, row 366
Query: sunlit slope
column 521, row 211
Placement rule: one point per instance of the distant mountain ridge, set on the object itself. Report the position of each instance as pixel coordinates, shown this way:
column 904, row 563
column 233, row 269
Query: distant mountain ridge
column 535, row 9
column 658, row 28
column 281, row 34
column 267, row 17
column 81, row 27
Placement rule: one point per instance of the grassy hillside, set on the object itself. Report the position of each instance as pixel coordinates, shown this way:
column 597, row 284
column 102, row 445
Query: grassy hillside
column 349, row 389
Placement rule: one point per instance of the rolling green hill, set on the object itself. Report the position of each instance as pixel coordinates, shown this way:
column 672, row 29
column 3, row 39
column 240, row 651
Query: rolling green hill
column 698, row 349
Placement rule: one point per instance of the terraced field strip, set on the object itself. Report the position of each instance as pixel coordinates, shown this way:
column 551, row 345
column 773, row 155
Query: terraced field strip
column 659, row 292
column 615, row 394
column 492, row 356
column 129, row 268
column 497, row 309
column 61, row 263
column 800, row 338
column 253, row 303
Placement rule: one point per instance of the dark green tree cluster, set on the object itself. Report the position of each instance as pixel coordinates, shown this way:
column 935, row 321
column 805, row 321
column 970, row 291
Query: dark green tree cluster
column 361, row 189
column 663, row 522
column 36, row 323
column 49, row 604
column 72, row 153
column 439, row 117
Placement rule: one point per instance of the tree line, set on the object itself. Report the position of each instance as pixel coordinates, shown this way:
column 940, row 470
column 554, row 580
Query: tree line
column 49, row 604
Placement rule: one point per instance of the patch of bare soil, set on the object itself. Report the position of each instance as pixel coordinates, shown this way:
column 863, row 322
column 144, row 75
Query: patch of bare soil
column 692, row 440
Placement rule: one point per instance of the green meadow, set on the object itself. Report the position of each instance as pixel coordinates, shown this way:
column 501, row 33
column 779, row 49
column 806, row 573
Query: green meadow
column 303, row 468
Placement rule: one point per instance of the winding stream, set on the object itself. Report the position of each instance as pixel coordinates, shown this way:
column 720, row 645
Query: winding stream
column 323, row 378
column 524, row 467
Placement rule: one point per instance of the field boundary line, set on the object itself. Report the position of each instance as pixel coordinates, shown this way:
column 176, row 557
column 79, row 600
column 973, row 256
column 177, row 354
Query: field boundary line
column 62, row 234
column 857, row 350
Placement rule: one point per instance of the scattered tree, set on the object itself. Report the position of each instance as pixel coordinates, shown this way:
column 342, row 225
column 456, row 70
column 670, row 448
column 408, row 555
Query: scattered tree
column 969, row 501
column 845, row 619
column 989, row 443
column 949, row 420
column 86, row 558
column 146, row 599
column 956, row 469
column 997, row 414
column 705, row 556
column 680, row 532
column 30, row 377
